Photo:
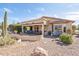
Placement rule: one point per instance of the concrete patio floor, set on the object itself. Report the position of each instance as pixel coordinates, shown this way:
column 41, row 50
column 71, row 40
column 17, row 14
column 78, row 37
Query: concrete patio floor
column 54, row 47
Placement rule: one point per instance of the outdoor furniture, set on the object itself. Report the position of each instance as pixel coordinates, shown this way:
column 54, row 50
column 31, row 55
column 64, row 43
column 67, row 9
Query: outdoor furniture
column 56, row 33
column 29, row 32
column 49, row 33
column 37, row 32
column 45, row 33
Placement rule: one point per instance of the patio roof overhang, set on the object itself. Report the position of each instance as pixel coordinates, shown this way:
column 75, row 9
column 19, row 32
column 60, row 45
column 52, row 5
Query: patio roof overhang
column 60, row 21
column 33, row 23
column 49, row 22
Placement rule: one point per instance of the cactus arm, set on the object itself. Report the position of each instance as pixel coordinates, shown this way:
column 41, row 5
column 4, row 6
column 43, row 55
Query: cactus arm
column 2, row 29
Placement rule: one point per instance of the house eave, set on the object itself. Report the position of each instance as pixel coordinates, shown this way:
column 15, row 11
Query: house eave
column 52, row 20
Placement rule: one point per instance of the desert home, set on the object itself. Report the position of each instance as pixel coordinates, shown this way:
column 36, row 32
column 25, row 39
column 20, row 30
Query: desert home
column 47, row 25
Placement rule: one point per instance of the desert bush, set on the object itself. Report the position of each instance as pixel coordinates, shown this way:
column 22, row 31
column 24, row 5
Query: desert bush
column 2, row 42
column 7, row 40
column 66, row 38
column 69, row 31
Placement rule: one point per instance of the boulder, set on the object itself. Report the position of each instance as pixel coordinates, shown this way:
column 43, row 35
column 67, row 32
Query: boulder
column 38, row 51
column 19, row 41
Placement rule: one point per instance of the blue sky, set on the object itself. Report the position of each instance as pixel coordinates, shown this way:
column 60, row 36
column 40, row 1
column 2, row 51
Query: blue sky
column 22, row 12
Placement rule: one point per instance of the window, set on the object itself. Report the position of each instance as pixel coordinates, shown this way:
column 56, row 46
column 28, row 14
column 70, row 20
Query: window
column 64, row 29
column 58, row 27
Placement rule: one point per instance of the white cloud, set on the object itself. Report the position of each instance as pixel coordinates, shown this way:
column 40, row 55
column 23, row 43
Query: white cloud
column 73, row 13
column 73, row 5
column 72, row 16
column 8, row 10
column 42, row 9
column 12, row 20
column 29, row 11
column 69, row 15
column 55, row 15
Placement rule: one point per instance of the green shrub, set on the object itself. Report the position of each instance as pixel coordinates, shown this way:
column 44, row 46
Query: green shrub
column 66, row 38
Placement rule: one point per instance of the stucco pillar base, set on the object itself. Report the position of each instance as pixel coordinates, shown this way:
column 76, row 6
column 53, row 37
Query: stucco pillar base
column 42, row 36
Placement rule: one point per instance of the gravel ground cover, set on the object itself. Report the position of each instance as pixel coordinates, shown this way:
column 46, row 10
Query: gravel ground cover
column 53, row 46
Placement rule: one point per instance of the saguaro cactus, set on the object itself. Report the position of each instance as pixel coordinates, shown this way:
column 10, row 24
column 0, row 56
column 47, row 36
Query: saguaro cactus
column 4, row 25
column 6, row 39
column 5, row 22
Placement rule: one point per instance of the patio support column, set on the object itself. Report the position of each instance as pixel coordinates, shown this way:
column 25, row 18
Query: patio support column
column 62, row 29
column 42, row 31
column 54, row 27
column 71, row 27
column 22, row 29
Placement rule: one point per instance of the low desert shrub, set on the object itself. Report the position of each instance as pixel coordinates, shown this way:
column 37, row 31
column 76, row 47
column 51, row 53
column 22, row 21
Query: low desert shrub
column 2, row 42
column 66, row 38
column 7, row 40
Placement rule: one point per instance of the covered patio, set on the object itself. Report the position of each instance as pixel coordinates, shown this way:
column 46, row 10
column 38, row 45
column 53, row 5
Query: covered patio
column 47, row 25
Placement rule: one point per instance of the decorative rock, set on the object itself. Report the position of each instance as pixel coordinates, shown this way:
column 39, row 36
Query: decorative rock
column 38, row 51
column 19, row 41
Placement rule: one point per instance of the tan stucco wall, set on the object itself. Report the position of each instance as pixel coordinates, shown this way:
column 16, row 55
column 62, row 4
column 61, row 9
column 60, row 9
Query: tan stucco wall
column 67, row 25
column 48, row 27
